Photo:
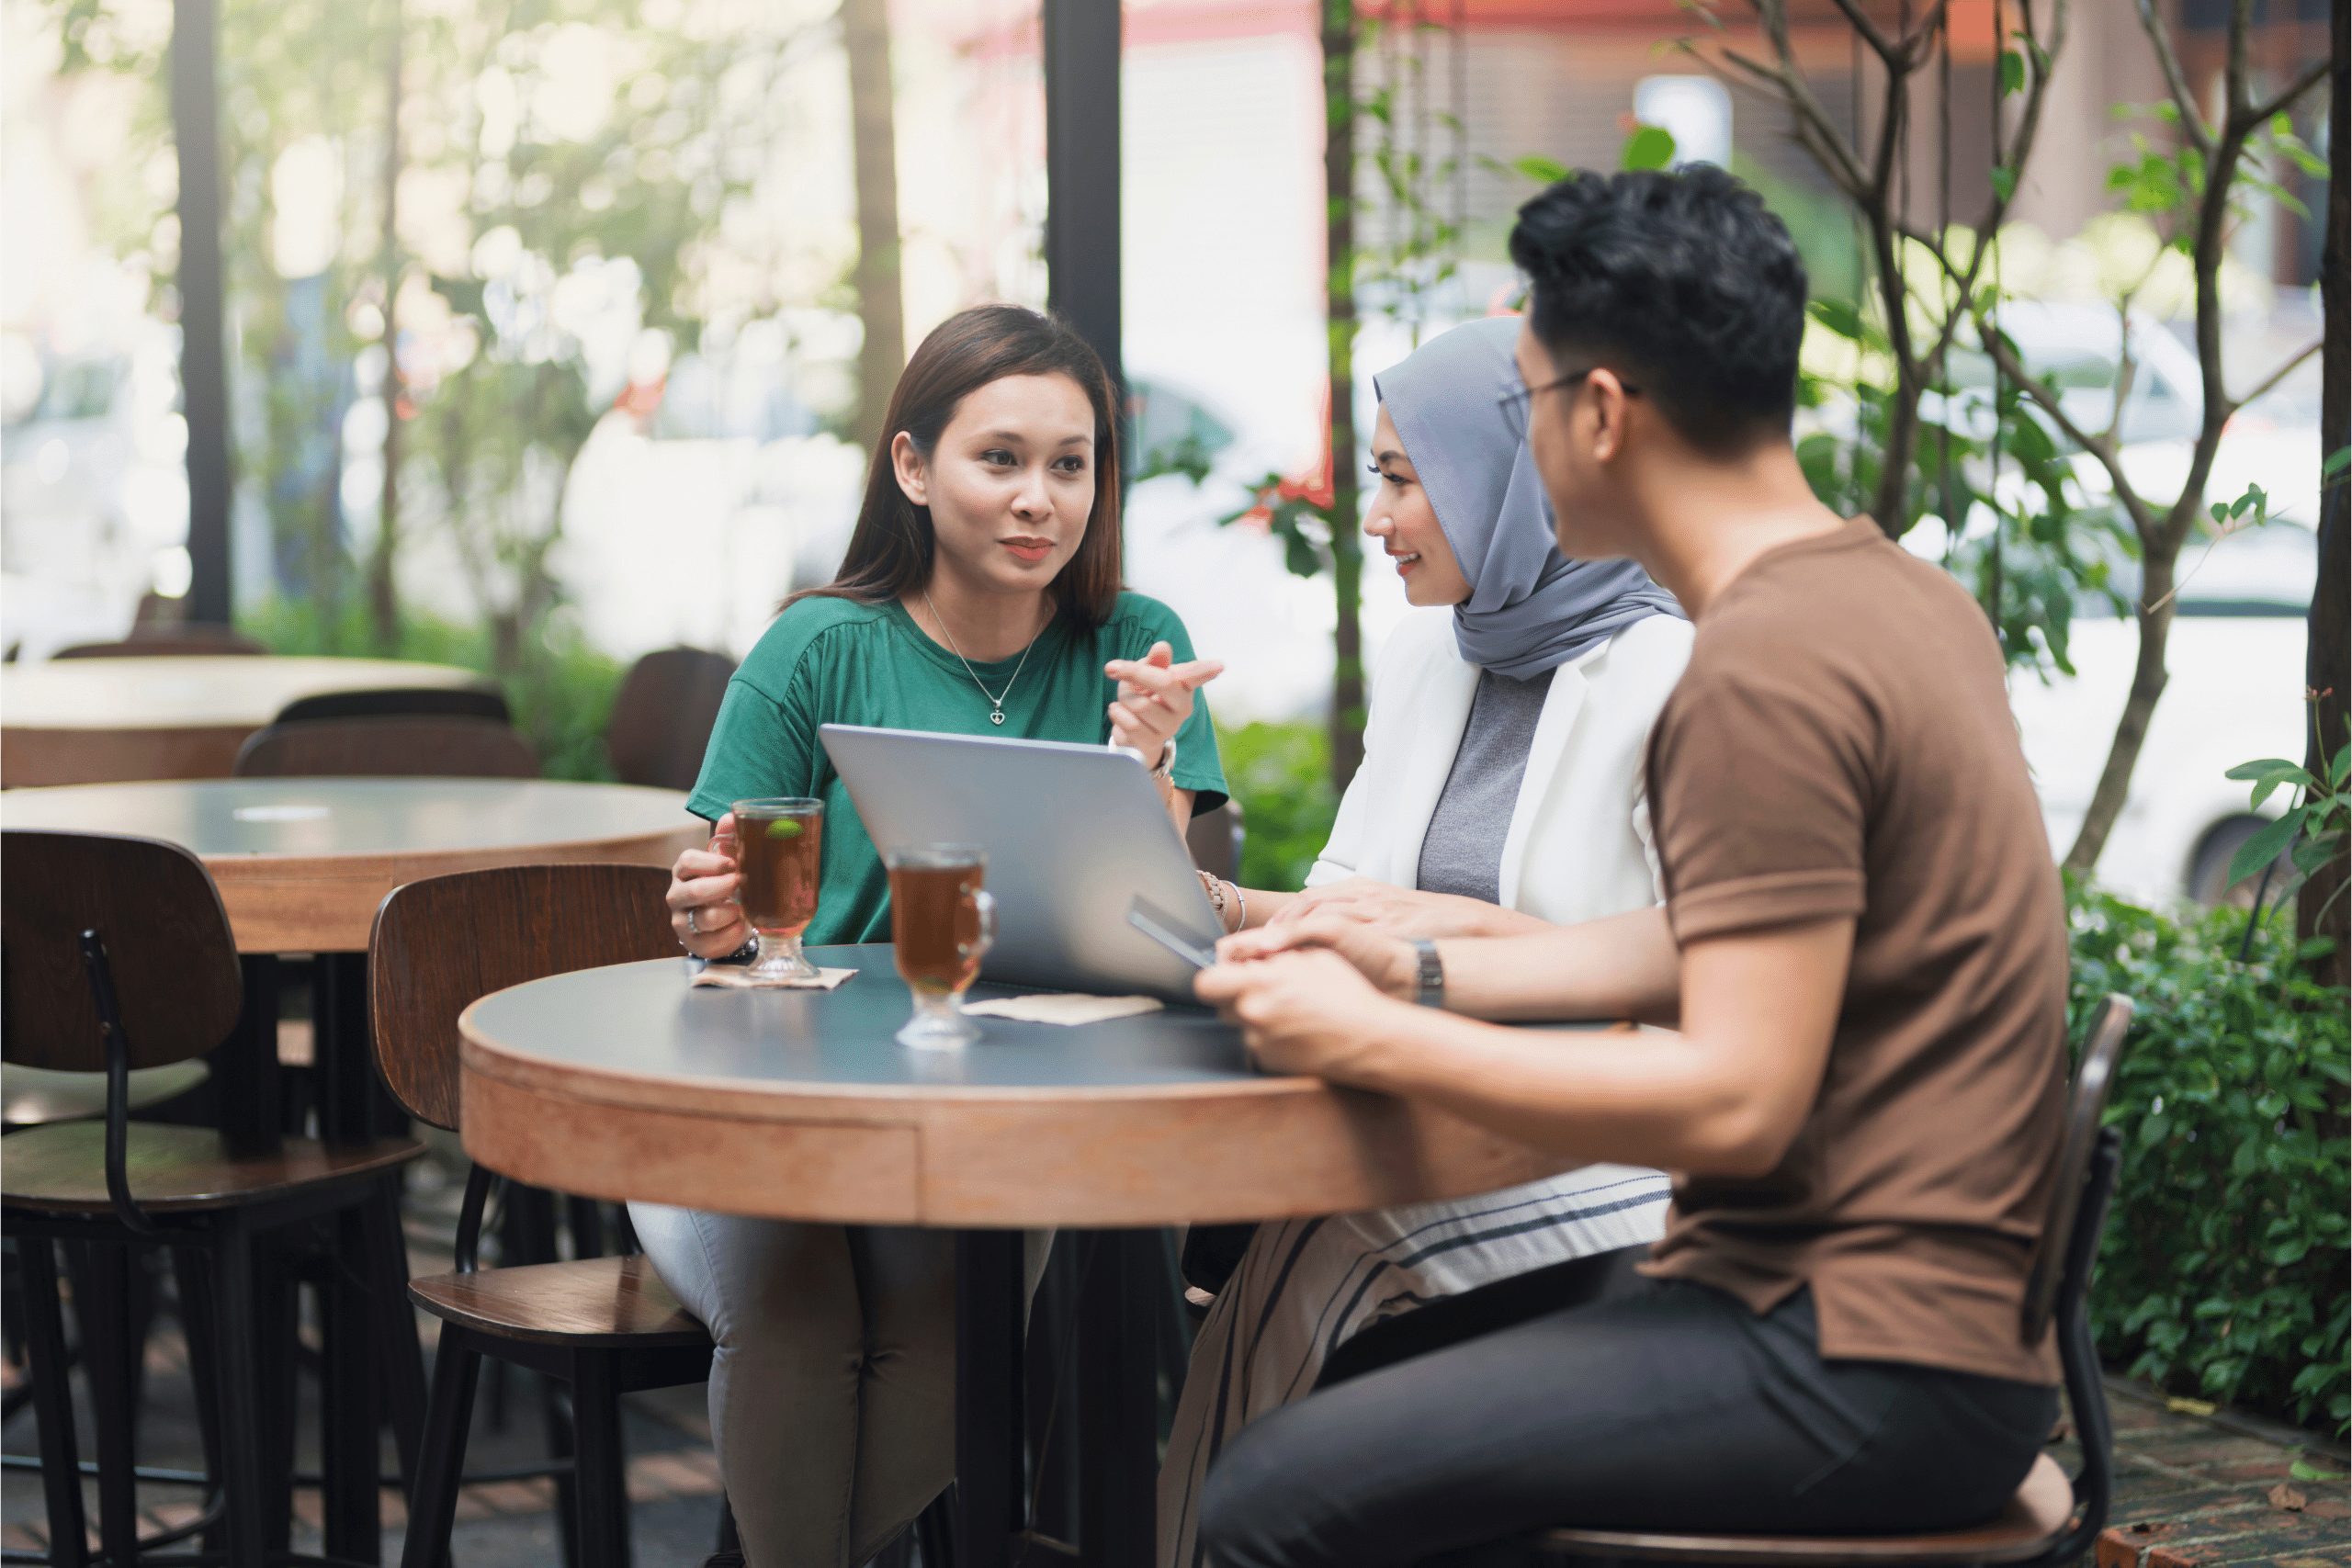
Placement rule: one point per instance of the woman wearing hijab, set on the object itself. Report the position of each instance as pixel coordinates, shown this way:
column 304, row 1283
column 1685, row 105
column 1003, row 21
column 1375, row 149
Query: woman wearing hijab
column 1501, row 787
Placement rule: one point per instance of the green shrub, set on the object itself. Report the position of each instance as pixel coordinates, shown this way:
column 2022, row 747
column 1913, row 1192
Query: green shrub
column 2223, row 1271
column 1282, row 775
column 561, row 691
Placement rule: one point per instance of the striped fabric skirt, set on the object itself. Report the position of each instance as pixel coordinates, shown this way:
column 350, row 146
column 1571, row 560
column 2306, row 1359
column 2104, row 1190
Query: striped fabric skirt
column 1304, row 1286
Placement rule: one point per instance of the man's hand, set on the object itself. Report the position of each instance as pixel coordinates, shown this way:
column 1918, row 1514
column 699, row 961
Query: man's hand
column 1301, row 1013
column 1402, row 911
column 1388, row 961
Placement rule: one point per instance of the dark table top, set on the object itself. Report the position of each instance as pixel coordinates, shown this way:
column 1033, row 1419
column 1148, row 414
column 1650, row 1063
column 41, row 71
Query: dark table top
column 626, row 1082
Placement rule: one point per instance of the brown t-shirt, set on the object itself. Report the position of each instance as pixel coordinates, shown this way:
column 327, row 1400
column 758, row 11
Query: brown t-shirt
column 1841, row 744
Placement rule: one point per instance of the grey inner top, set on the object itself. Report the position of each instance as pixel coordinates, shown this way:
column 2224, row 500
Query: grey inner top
column 1464, row 850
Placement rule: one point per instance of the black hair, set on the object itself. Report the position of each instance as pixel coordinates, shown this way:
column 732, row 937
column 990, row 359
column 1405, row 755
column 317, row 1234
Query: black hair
column 1683, row 283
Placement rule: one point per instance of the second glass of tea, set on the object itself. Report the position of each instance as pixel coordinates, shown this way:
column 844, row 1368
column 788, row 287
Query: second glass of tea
column 778, row 844
column 941, row 926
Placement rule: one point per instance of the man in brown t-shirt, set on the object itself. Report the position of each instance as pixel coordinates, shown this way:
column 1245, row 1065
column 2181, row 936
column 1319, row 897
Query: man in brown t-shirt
column 1862, row 951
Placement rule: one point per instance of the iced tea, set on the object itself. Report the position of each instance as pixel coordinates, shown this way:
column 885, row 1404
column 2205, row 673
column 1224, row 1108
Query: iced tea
column 779, row 844
column 942, row 923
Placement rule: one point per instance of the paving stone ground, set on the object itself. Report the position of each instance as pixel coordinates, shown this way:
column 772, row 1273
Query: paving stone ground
column 2192, row 1491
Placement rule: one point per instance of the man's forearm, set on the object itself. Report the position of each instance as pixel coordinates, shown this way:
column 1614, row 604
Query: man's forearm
column 1625, row 966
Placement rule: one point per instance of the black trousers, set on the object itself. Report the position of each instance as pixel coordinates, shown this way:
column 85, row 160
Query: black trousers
column 1670, row 1406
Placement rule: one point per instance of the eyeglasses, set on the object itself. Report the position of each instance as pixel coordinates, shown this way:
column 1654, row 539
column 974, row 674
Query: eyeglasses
column 1516, row 402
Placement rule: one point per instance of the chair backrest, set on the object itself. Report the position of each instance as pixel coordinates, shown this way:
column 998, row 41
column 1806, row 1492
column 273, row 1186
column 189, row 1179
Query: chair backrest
column 663, row 714
column 399, row 702
column 1215, row 838
column 178, row 641
column 167, row 942
column 2102, row 1046
column 388, row 748
column 443, row 944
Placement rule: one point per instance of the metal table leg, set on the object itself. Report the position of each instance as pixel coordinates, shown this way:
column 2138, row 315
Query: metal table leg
column 989, row 1468
column 1118, row 1404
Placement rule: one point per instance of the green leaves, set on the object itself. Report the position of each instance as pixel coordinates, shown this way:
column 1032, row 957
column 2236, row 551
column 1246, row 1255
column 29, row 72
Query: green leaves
column 2222, row 1271
column 1542, row 170
column 2004, row 183
column 2265, row 845
column 1649, row 147
column 2012, row 72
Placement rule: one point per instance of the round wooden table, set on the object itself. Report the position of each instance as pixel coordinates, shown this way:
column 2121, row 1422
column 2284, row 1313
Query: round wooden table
column 625, row 1083
column 95, row 721
column 302, row 863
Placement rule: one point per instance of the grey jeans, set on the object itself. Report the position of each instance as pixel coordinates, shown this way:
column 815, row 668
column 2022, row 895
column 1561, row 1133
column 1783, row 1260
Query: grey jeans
column 832, row 1395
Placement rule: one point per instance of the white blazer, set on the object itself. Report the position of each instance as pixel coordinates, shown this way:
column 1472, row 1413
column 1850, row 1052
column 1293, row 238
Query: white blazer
column 1579, row 846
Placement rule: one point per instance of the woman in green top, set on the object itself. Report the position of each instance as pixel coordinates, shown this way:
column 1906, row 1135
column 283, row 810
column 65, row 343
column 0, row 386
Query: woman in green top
column 979, row 596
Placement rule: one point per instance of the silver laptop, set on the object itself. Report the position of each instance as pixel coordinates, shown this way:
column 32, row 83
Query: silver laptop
column 1077, row 841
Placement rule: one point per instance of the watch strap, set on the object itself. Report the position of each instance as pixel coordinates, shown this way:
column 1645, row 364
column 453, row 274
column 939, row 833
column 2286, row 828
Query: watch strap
column 1429, row 973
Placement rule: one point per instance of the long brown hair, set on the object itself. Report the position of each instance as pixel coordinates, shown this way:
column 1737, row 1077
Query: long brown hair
column 890, row 551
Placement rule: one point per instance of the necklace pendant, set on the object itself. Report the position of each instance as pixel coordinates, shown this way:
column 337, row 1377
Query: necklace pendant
column 996, row 717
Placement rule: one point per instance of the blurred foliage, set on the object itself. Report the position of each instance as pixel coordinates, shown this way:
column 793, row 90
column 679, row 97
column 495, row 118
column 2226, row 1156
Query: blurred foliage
column 1282, row 775
column 561, row 697
column 2222, row 1274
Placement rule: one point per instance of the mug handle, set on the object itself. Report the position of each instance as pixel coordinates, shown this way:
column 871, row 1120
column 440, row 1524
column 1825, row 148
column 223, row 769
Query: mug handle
column 985, row 904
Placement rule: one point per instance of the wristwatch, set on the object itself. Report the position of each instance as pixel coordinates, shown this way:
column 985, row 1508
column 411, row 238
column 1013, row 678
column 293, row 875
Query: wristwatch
column 1429, row 976
column 1167, row 769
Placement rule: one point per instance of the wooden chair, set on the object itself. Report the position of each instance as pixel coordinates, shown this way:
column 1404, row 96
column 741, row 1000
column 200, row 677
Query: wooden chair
column 663, row 714
column 115, row 957
column 1215, row 839
column 399, row 702
column 604, row 1326
column 192, row 640
column 388, row 748
column 2051, row 1520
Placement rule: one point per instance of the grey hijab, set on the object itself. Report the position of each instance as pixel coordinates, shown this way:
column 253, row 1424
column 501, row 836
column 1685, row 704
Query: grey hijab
column 1531, row 609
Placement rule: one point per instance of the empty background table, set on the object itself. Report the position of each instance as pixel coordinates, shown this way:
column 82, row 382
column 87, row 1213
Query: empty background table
column 624, row 1083
column 302, row 864
column 92, row 721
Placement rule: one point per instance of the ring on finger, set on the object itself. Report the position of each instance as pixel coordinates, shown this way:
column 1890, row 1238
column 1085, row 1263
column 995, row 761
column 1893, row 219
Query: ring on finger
column 692, row 928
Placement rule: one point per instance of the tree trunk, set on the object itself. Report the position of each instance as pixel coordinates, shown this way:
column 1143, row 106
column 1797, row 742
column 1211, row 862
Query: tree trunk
column 1340, row 307
column 2148, row 678
column 204, row 369
column 2325, row 668
column 1891, row 506
column 874, row 155
column 383, row 591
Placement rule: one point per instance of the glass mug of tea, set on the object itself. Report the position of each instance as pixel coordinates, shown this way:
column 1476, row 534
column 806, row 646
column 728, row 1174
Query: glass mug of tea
column 942, row 925
column 778, row 843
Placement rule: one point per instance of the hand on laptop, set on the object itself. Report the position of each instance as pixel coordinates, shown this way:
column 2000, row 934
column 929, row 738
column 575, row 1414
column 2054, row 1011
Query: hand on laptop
column 1388, row 961
column 1402, row 911
column 1306, row 1012
column 1155, row 698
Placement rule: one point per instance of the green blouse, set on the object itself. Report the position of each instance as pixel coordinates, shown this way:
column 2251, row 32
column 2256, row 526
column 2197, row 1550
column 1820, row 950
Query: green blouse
column 832, row 662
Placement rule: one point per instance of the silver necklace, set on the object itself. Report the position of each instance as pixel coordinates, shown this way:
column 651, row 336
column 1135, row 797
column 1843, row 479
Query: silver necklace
column 996, row 704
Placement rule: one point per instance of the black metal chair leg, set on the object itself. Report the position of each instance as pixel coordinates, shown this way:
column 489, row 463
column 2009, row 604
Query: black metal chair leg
column 44, row 1327
column 101, row 1273
column 244, row 1399
column 201, row 1324
column 556, row 1404
column 401, row 1348
column 433, row 1495
column 600, row 1478
column 349, row 1367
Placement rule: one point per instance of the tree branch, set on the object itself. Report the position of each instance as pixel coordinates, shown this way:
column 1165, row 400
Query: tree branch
column 2268, row 383
column 2101, row 448
column 1880, row 45
column 2313, row 75
column 1846, row 165
column 2192, row 119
